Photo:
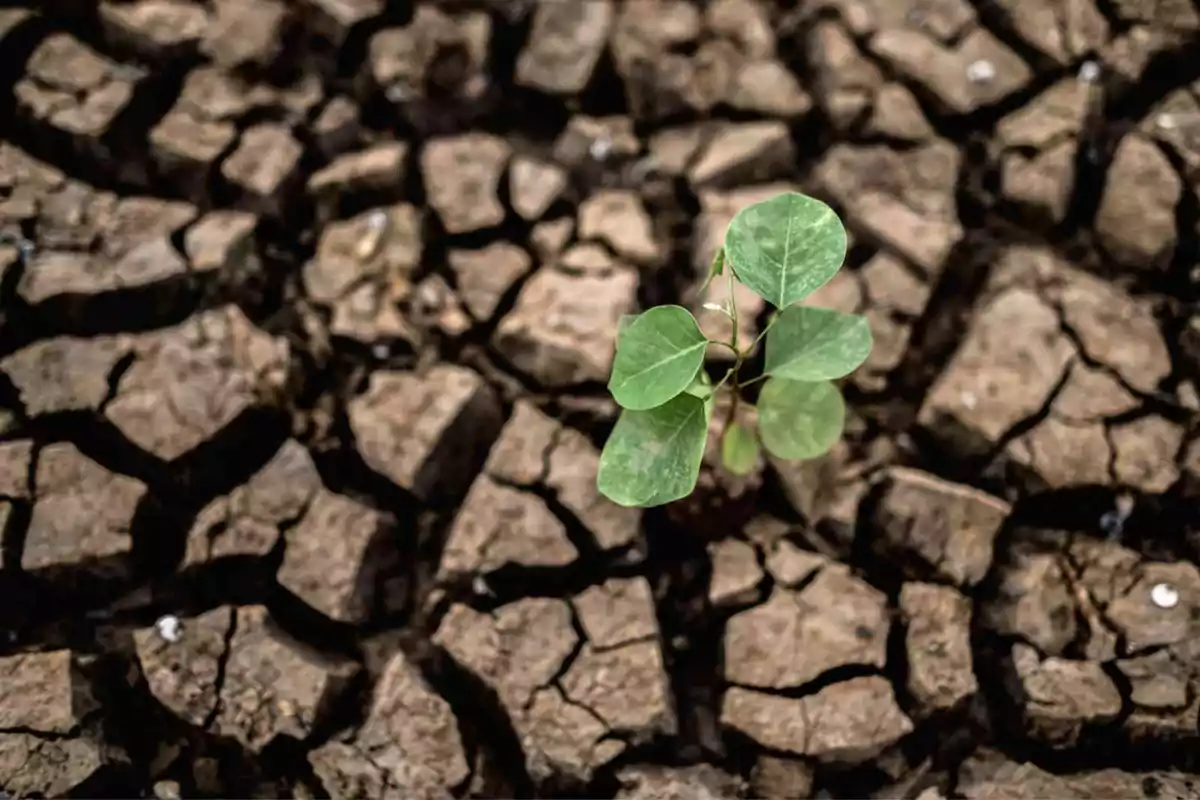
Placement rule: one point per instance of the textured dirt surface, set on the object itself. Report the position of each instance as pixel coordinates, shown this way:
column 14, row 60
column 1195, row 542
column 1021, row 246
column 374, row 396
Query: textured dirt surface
column 306, row 311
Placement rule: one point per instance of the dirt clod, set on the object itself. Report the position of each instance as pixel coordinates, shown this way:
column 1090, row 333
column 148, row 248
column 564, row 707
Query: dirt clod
column 850, row 721
column 408, row 745
column 943, row 529
column 938, row 643
column 772, row 646
column 233, row 673
column 421, row 432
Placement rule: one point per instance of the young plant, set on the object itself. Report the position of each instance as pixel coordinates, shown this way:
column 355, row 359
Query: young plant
column 783, row 249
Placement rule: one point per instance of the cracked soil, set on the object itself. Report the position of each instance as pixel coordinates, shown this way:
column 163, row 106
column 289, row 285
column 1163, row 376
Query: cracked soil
column 306, row 312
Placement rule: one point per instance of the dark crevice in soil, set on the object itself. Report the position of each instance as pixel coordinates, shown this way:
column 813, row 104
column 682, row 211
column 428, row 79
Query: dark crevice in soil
column 18, row 45
column 514, row 582
column 1093, row 156
column 128, row 311
column 824, row 680
column 228, row 459
column 1168, row 71
column 343, row 65
column 344, row 471
column 103, row 442
column 937, row 334
column 996, row 452
column 679, row 570
column 1179, row 281
column 1116, row 21
column 222, row 665
column 490, row 727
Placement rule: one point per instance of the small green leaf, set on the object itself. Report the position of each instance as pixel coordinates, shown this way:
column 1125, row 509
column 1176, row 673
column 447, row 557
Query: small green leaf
column 816, row 344
column 785, row 248
column 739, row 449
column 716, row 268
column 701, row 385
column 658, row 355
column 653, row 457
column 800, row 419
column 710, row 405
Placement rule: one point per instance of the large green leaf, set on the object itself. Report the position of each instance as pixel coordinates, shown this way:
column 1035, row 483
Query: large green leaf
column 658, row 355
column 785, row 248
column 739, row 449
column 816, row 344
column 800, row 419
column 653, row 457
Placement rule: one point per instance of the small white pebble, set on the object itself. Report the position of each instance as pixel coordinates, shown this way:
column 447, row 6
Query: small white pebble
column 169, row 628
column 480, row 586
column 1164, row 595
column 377, row 220
column 372, row 238
column 969, row 400
column 600, row 148
column 1089, row 72
column 981, row 71
column 714, row 306
column 381, row 351
column 1165, row 121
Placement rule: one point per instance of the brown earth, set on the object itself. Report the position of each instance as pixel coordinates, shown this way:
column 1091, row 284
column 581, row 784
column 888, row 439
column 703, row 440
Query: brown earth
column 307, row 310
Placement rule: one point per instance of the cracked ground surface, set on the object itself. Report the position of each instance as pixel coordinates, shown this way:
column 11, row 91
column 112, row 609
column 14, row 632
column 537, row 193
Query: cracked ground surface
column 306, row 311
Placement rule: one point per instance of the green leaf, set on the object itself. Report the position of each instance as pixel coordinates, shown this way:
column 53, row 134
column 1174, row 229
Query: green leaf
column 716, row 268
column 785, row 248
column 653, row 457
column 623, row 322
column 701, row 385
column 739, row 449
column 800, row 419
column 816, row 344
column 658, row 355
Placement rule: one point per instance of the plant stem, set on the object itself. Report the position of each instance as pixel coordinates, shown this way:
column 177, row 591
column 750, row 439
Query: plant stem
column 766, row 329
column 731, row 376
column 740, row 357
column 724, row 380
column 733, row 315
column 731, row 413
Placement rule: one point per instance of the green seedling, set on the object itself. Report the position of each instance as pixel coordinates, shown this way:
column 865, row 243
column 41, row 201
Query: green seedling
column 783, row 249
